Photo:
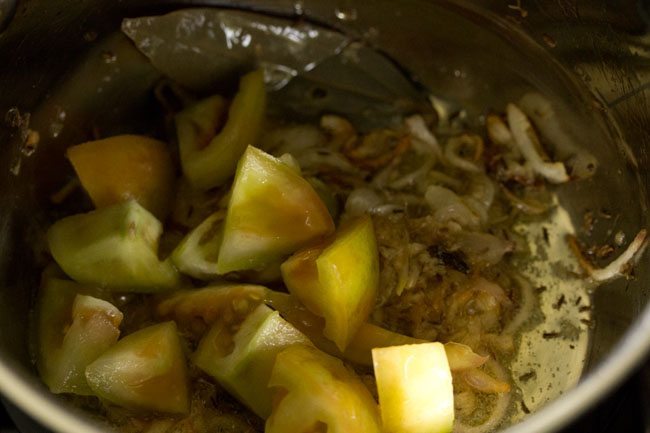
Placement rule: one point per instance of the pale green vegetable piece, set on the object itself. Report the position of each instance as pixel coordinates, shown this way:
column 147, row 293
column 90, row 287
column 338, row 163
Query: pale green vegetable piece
column 192, row 308
column 73, row 330
column 144, row 371
column 210, row 163
column 242, row 362
column 54, row 314
column 197, row 125
column 114, row 247
column 196, row 255
column 338, row 281
column 415, row 388
column 272, row 212
column 315, row 392
column 123, row 167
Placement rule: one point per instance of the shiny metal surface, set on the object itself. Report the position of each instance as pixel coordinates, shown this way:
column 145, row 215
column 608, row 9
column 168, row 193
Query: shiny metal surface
column 593, row 61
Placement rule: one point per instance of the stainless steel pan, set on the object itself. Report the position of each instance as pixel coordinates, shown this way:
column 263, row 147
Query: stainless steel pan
column 591, row 60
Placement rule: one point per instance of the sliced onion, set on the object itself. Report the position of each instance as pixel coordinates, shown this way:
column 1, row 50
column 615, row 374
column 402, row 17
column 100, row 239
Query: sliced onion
column 526, row 306
column 483, row 382
column 501, row 343
column 340, row 129
column 307, row 144
column 386, row 209
column 456, row 144
column 619, row 267
column 478, row 208
column 317, row 160
column 529, row 207
column 540, row 110
column 439, row 197
column 522, row 173
column 493, row 289
column 391, row 145
column 483, row 248
column 449, row 207
column 521, row 130
column 414, row 177
column 462, row 357
column 465, row 402
column 419, row 130
column 483, row 189
column 361, row 201
column 438, row 177
column 498, row 132
column 457, row 213
column 498, row 411
column 293, row 139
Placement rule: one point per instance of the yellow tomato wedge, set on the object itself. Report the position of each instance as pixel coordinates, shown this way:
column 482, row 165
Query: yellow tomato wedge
column 114, row 247
column 415, row 388
column 198, row 124
column 197, row 309
column 315, row 392
column 144, row 371
column 73, row 330
column 339, row 281
column 272, row 212
column 242, row 361
column 209, row 160
column 196, row 255
column 125, row 167
column 462, row 357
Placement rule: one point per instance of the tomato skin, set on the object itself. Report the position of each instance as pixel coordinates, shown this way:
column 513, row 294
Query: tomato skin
column 415, row 389
column 126, row 167
column 209, row 158
column 272, row 213
column 315, row 390
column 144, row 371
column 242, row 362
column 73, row 330
column 196, row 255
column 338, row 281
column 113, row 247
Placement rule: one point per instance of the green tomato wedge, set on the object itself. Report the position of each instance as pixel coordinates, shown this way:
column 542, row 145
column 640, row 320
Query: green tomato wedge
column 358, row 351
column 210, row 162
column 241, row 362
column 195, row 310
column 114, row 247
column 415, row 388
column 73, row 330
column 53, row 315
column 338, row 281
column 196, row 255
column 197, row 125
column 115, row 169
column 315, row 392
column 272, row 212
column 144, row 371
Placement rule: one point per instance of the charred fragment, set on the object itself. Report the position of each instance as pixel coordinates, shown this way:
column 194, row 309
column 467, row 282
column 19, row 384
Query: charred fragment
column 528, row 376
column 454, row 260
column 551, row 335
column 560, row 302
